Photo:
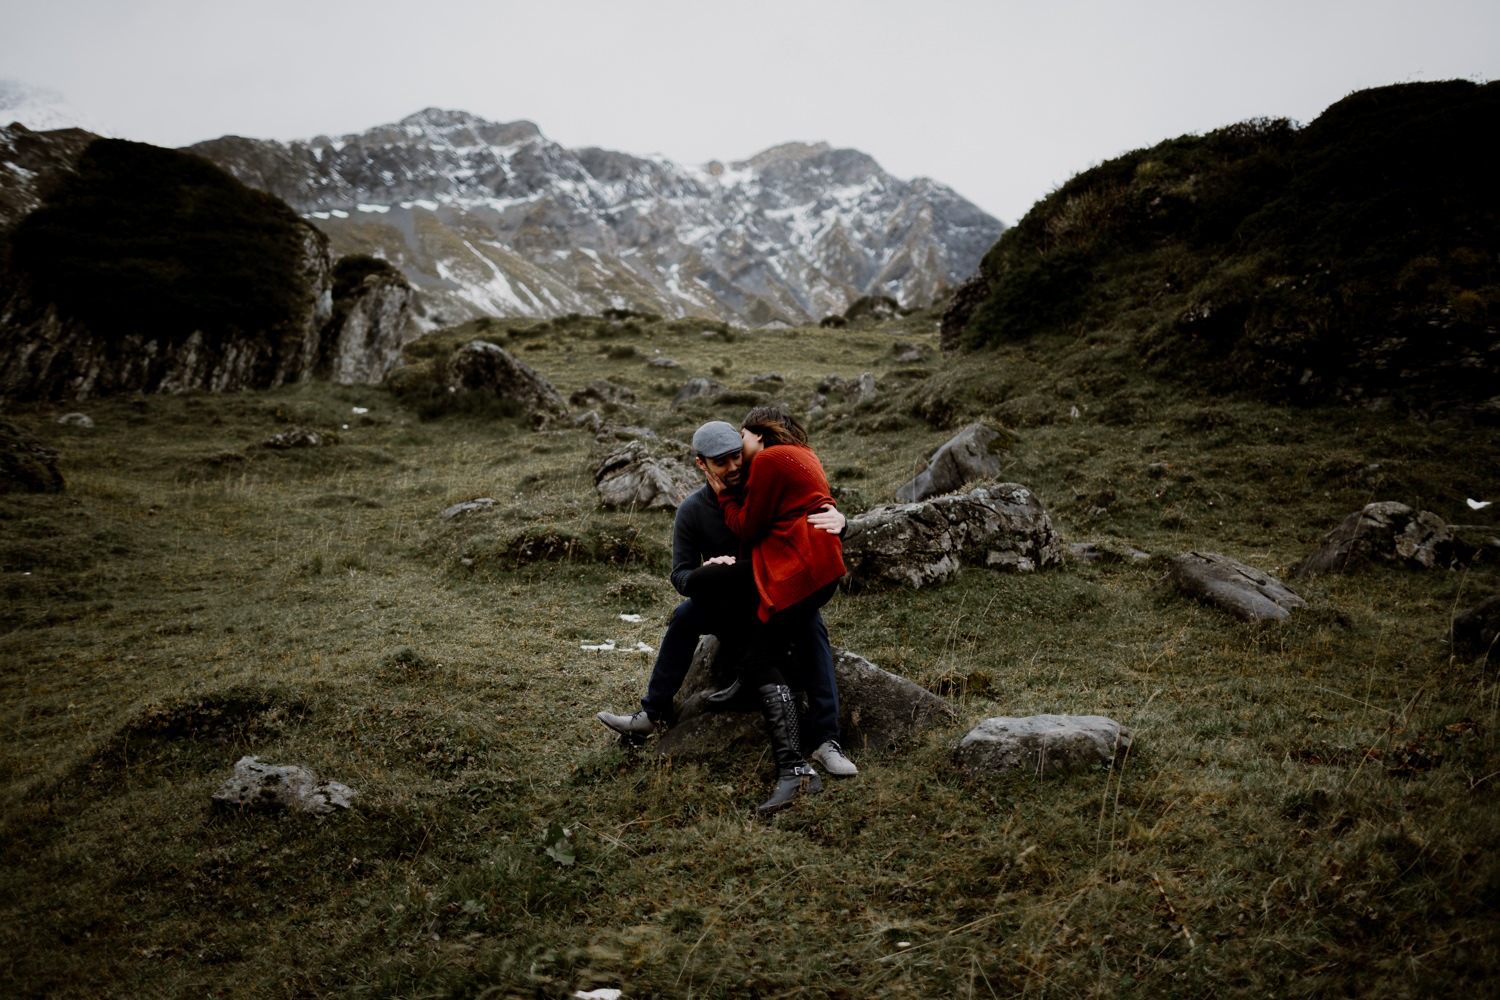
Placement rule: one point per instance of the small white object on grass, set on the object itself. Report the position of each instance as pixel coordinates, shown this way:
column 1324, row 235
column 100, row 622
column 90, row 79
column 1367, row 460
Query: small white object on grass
column 631, row 618
column 1479, row 504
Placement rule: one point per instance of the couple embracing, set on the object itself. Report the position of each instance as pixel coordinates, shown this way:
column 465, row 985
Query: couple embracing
column 757, row 552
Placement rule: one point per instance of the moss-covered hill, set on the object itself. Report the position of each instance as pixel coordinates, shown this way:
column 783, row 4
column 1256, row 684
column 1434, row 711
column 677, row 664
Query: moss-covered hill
column 137, row 238
column 1356, row 258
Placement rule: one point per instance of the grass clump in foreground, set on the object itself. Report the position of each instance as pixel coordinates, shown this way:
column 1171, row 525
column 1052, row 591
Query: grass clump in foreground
column 1308, row 809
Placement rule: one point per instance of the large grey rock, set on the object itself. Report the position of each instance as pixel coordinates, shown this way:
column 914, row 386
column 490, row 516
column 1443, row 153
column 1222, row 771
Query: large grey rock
column 480, row 366
column 256, row 785
column 1242, row 590
column 877, row 710
column 919, row 544
column 972, row 453
column 1041, row 744
column 1388, row 532
column 631, row 478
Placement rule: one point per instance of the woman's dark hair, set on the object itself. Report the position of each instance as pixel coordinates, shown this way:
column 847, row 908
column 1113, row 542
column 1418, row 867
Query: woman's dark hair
column 775, row 426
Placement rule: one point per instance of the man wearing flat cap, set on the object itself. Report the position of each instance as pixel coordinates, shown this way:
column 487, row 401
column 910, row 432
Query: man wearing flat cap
column 703, row 546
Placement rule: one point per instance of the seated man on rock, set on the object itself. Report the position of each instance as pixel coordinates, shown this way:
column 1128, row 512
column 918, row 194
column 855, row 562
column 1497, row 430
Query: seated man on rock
column 700, row 538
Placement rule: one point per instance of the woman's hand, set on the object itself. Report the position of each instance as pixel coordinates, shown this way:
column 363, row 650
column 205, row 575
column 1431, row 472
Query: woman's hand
column 720, row 561
column 714, row 482
column 828, row 518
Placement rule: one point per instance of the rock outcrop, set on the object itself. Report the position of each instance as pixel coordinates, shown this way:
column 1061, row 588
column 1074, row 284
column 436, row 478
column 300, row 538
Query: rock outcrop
column 149, row 270
column 920, row 544
column 372, row 321
column 1386, row 531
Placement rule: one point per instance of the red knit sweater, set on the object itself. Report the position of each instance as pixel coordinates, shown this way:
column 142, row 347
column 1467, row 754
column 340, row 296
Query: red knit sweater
column 791, row 559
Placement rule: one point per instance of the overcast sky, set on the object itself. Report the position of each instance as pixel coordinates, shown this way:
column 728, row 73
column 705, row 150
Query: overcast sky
column 999, row 99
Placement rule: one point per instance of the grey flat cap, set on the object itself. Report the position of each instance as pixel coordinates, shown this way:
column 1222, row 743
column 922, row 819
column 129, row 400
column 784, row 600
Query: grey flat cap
column 716, row 439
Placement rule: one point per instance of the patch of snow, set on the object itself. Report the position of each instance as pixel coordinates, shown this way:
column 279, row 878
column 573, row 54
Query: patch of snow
column 378, row 209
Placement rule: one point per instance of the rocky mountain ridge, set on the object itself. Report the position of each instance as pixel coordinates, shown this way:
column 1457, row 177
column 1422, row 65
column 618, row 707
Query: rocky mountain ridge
column 488, row 218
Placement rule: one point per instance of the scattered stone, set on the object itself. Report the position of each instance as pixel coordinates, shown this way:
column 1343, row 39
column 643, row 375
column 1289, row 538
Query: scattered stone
column 26, row 465
column 1389, row 532
column 478, row 503
column 1477, row 629
column 76, row 420
column 663, row 363
column 630, row 478
column 697, row 388
column 603, row 392
column 1093, row 552
column 765, row 377
column 919, row 544
column 1232, row 586
column 590, row 421
column 853, row 393
column 907, row 353
column 1041, row 744
column 482, row 367
column 298, row 437
column 877, row 710
column 972, row 453
column 255, row 785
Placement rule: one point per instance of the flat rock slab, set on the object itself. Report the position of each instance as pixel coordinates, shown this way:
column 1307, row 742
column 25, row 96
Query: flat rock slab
column 1041, row 744
column 256, row 785
column 1232, row 586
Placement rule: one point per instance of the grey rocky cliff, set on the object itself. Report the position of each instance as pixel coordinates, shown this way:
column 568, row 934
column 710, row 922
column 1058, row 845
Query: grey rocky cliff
column 492, row 218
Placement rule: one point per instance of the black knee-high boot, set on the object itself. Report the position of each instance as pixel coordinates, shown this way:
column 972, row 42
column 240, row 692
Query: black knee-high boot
column 793, row 775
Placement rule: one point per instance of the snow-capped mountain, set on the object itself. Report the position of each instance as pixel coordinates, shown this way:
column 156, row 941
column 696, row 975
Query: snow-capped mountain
column 491, row 218
column 40, row 109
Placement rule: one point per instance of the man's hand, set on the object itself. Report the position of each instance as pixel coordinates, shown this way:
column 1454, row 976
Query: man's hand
column 719, row 561
column 829, row 519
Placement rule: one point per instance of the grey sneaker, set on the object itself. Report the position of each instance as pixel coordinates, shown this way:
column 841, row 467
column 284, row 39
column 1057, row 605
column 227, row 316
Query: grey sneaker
column 830, row 757
column 639, row 724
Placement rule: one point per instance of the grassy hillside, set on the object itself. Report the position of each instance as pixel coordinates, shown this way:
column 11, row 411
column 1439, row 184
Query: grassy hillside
column 1354, row 259
column 1308, row 810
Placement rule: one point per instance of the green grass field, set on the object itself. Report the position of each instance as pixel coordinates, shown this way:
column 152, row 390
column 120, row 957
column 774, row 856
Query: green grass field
column 1308, row 809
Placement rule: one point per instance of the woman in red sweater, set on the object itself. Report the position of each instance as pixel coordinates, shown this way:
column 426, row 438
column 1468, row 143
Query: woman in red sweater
column 796, row 568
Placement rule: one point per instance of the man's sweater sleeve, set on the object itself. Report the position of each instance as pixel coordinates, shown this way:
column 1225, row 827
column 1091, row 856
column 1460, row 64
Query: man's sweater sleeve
column 687, row 547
